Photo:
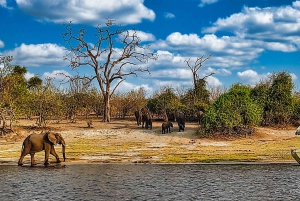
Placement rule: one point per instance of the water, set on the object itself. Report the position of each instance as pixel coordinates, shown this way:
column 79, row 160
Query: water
column 151, row 182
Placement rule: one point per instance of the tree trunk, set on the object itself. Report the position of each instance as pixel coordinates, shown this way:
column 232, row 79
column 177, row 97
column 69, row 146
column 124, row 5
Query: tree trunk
column 106, row 115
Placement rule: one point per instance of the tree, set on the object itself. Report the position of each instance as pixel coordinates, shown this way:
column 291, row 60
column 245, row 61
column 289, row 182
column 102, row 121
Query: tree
column 199, row 83
column 234, row 112
column 197, row 98
column 5, row 70
column 280, row 97
column 109, row 63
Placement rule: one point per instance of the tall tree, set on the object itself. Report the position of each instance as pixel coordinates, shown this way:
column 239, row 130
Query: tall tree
column 199, row 83
column 110, row 64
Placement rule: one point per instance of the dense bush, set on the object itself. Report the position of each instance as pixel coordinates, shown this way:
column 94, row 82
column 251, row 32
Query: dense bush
column 232, row 112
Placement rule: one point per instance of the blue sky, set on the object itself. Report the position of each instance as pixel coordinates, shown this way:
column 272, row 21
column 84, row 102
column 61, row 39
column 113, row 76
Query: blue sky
column 247, row 39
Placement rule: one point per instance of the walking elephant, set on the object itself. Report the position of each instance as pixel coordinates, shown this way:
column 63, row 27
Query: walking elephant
column 44, row 141
column 180, row 118
column 166, row 127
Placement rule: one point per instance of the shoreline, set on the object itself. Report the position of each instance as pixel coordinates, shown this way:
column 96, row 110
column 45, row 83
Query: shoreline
column 123, row 142
column 65, row 164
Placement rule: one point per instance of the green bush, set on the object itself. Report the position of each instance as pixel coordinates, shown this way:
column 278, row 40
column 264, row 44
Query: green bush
column 232, row 112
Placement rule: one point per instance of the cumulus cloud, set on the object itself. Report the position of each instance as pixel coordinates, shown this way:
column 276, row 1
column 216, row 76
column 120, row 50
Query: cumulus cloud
column 127, row 86
column 226, row 51
column 169, row 15
column 92, row 12
column 277, row 28
column 143, row 35
column 36, row 55
column 1, row 44
column 251, row 77
column 296, row 4
column 28, row 75
column 204, row 2
column 57, row 75
column 213, row 81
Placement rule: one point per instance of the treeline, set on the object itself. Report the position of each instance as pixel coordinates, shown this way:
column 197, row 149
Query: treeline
column 233, row 111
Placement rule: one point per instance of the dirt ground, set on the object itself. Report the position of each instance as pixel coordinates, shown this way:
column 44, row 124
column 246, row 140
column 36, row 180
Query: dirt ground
column 122, row 141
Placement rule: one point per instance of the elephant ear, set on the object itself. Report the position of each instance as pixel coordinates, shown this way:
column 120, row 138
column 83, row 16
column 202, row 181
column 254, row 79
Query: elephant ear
column 52, row 138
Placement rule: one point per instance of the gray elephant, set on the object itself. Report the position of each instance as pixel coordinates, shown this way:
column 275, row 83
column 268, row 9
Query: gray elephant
column 166, row 127
column 146, row 118
column 44, row 141
column 138, row 117
column 180, row 118
column 147, row 121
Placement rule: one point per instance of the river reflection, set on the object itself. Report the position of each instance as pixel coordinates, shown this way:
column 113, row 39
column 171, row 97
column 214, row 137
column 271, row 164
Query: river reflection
column 151, row 182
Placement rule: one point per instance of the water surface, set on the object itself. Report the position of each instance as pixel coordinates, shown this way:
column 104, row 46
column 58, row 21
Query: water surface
column 151, row 182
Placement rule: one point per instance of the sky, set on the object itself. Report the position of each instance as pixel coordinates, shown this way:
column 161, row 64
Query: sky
column 247, row 39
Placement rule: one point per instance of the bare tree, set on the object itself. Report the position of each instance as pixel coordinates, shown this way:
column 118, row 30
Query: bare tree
column 109, row 63
column 196, row 66
column 199, row 83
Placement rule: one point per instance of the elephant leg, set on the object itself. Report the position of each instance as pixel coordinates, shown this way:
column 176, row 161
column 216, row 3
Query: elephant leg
column 20, row 162
column 53, row 153
column 47, row 153
column 32, row 159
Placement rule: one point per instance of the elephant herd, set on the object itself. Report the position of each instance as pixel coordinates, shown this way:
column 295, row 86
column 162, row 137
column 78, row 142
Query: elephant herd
column 144, row 118
column 46, row 141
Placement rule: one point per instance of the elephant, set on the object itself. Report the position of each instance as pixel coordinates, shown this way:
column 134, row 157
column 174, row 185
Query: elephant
column 146, row 118
column 200, row 115
column 166, row 127
column 180, row 118
column 138, row 117
column 147, row 121
column 43, row 141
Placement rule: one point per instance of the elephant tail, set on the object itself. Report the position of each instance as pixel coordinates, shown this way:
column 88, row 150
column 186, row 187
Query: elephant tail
column 22, row 148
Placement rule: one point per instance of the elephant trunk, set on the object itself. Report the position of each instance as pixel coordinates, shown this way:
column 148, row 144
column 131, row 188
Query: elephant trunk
column 64, row 151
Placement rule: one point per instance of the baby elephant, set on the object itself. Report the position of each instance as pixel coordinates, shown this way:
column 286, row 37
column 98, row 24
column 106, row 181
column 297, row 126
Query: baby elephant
column 44, row 141
column 166, row 127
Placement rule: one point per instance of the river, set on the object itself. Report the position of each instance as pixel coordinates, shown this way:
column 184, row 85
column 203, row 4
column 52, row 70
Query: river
column 247, row 181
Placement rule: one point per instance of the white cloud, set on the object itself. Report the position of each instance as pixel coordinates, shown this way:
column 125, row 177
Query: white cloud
column 39, row 55
column 251, row 77
column 3, row 3
column 29, row 75
column 226, row 51
column 213, row 81
column 171, row 73
column 143, row 35
column 1, row 44
column 57, row 75
column 169, row 15
column 92, row 12
column 204, row 2
column 277, row 28
column 296, row 4
column 126, row 87
column 294, row 76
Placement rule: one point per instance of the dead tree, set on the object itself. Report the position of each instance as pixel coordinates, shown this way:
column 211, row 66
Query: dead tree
column 194, row 68
column 113, row 56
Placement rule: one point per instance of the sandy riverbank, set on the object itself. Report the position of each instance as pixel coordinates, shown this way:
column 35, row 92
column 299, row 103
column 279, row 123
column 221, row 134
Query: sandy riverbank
column 122, row 141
